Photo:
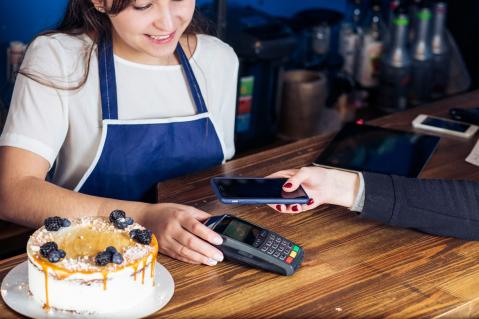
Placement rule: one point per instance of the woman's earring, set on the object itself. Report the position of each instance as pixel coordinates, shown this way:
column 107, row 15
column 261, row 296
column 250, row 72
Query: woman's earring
column 100, row 9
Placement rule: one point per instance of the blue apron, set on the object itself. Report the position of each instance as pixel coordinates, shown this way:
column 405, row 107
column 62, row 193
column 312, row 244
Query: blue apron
column 134, row 155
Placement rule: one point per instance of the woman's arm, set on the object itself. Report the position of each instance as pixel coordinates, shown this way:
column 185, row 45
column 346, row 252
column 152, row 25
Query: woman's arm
column 439, row 207
column 27, row 199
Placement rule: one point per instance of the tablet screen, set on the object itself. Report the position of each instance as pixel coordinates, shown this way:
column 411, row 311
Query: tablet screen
column 379, row 150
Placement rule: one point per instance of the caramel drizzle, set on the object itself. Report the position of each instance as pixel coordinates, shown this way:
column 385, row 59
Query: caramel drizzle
column 62, row 273
column 46, row 306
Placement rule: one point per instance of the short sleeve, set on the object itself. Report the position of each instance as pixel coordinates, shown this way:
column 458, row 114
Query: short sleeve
column 37, row 120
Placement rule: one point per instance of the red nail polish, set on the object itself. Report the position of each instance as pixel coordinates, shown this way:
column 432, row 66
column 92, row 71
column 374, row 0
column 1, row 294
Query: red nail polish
column 288, row 185
column 278, row 207
column 295, row 208
column 310, row 201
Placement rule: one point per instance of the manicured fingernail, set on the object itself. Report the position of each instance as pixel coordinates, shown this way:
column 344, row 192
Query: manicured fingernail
column 294, row 208
column 217, row 240
column 218, row 257
column 288, row 185
column 211, row 262
column 278, row 207
column 310, row 201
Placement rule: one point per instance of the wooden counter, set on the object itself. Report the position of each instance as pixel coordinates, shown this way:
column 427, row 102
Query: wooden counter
column 352, row 267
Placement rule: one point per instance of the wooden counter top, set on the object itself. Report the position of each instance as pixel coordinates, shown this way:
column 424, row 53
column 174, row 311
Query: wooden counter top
column 352, row 267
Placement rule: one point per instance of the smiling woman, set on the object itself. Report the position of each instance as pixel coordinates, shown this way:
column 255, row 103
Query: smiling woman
column 147, row 103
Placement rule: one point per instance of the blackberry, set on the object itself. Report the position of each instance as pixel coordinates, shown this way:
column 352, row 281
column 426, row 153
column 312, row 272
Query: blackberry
column 111, row 250
column 103, row 258
column 53, row 223
column 65, row 222
column 55, row 256
column 117, row 258
column 46, row 248
column 134, row 233
column 142, row 236
column 116, row 214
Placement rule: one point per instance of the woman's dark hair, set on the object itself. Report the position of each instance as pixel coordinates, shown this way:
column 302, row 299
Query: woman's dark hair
column 81, row 17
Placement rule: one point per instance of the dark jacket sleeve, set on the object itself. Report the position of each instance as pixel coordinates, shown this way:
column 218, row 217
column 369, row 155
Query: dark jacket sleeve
column 438, row 207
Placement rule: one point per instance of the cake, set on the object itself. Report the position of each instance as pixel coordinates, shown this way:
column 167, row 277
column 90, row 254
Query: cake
column 91, row 265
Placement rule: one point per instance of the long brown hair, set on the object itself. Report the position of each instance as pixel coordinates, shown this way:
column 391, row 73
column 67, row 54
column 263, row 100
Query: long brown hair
column 81, row 17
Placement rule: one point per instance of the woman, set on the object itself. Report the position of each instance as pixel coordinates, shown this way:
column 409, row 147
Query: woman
column 438, row 207
column 123, row 95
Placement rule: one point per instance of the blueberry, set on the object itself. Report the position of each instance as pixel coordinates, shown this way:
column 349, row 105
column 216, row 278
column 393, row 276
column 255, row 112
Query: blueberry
column 111, row 250
column 129, row 221
column 46, row 248
column 55, row 256
column 53, row 223
column 62, row 253
column 116, row 214
column 103, row 258
column 65, row 222
column 121, row 223
column 142, row 236
column 117, row 258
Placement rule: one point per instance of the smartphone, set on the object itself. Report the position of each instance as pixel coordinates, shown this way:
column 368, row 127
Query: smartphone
column 255, row 190
column 446, row 126
column 465, row 115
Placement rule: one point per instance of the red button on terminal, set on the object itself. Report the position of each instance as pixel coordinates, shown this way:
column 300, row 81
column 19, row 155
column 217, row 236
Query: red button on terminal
column 289, row 260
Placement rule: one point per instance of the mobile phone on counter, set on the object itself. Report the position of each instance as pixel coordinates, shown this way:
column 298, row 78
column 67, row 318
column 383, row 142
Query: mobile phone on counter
column 465, row 115
column 255, row 246
column 445, row 126
column 256, row 190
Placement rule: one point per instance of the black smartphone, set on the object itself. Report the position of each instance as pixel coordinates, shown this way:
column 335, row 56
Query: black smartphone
column 465, row 115
column 256, row 190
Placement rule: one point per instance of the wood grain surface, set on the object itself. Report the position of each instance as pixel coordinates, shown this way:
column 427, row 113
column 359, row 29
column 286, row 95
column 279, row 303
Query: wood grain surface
column 353, row 268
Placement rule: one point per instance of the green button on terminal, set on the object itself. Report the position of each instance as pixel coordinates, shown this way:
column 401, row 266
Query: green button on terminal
column 296, row 248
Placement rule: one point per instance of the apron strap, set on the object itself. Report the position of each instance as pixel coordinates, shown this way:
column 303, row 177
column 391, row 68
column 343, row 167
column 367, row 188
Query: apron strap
column 106, row 68
column 193, row 84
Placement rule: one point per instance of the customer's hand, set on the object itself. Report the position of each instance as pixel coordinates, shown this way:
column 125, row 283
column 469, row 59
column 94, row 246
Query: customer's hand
column 181, row 234
column 323, row 186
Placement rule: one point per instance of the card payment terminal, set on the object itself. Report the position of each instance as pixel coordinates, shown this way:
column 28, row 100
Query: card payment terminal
column 255, row 246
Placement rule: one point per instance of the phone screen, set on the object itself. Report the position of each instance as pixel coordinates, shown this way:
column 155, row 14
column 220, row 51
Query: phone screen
column 448, row 125
column 257, row 188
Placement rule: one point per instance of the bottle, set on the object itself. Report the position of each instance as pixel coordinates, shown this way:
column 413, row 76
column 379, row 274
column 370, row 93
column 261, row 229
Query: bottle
column 350, row 34
column 15, row 53
column 348, row 45
column 388, row 20
column 395, row 69
column 371, row 49
column 421, row 53
column 440, row 50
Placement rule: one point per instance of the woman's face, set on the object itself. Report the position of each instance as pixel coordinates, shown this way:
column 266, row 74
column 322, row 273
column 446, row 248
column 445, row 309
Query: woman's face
column 148, row 31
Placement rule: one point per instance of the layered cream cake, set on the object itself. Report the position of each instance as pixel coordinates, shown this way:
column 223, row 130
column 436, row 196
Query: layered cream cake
column 91, row 264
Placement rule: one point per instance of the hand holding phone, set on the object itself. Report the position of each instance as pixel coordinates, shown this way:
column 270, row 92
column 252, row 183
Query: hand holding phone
column 445, row 126
column 255, row 190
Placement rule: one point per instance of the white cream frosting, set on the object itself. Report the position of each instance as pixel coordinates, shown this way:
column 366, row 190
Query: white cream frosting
column 76, row 283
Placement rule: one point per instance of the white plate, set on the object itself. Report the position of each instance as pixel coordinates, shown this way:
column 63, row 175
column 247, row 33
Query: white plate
column 17, row 296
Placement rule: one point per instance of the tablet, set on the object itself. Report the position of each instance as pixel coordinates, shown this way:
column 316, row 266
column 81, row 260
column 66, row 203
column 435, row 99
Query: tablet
column 255, row 190
column 380, row 150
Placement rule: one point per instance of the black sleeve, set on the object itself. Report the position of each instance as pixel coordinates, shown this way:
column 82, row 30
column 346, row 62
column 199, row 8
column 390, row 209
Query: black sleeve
column 438, row 207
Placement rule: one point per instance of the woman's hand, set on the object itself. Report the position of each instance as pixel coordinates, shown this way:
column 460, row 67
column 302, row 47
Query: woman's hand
column 323, row 186
column 181, row 234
